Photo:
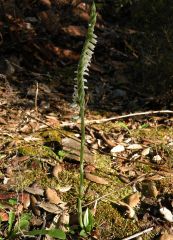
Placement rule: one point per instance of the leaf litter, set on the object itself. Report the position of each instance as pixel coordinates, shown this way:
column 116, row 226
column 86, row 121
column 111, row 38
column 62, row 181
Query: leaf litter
column 39, row 169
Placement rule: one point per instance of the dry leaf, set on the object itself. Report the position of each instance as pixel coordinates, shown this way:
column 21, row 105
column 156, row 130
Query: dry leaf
column 166, row 236
column 17, row 160
column 19, row 208
column 53, row 121
column 34, row 206
column 2, row 121
column 4, row 216
column 36, row 221
column 57, row 169
column 53, row 208
column 52, row 196
column 47, row 3
column 72, row 147
column 24, row 198
column 130, row 211
column 134, row 146
column 96, row 179
column 35, row 190
column 134, row 199
column 64, row 189
column 146, row 151
column 26, row 129
column 89, row 168
column 63, row 222
column 75, row 31
column 152, row 189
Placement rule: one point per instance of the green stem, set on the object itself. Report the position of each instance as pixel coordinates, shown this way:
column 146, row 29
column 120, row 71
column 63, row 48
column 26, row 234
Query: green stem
column 82, row 115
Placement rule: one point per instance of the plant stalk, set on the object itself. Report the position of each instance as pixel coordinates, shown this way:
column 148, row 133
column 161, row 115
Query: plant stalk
column 79, row 98
column 81, row 191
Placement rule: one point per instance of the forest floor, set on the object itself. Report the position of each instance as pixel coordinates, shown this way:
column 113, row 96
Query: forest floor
column 128, row 159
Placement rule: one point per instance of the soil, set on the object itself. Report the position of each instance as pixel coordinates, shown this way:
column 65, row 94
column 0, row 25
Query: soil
column 41, row 42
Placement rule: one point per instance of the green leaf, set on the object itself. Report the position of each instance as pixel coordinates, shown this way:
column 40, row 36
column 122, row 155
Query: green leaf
column 61, row 153
column 123, row 125
column 11, row 220
column 88, row 220
column 83, row 233
column 145, row 125
column 56, row 233
column 1, row 206
column 12, row 201
column 37, row 232
column 24, row 221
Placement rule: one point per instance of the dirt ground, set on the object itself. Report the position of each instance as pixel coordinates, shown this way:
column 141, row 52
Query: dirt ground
column 128, row 159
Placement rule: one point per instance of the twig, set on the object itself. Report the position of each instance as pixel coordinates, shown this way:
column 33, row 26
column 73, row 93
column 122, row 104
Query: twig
column 118, row 117
column 139, row 234
column 36, row 98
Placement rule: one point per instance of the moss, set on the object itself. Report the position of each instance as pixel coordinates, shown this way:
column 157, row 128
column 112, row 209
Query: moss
column 113, row 126
column 52, row 136
column 103, row 162
column 145, row 168
column 112, row 224
column 153, row 133
column 38, row 151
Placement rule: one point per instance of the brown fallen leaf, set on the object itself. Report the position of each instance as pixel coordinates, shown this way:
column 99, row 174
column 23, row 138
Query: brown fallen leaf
column 134, row 146
column 52, row 196
column 96, row 179
column 152, row 189
column 64, row 189
column 34, row 206
column 18, row 160
column 72, row 147
column 89, row 168
column 36, row 221
column 3, row 216
column 57, row 169
column 35, row 190
column 63, row 221
column 166, row 236
column 129, row 210
column 2, row 121
column 134, row 199
column 53, row 208
column 24, row 198
column 46, row 3
column 76, row 31
column 53, row 121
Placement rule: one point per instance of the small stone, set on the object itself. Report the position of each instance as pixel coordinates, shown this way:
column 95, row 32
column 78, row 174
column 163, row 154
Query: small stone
column 157, row 158
column 117, row 149
column 145, row 152
column 167, row 215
